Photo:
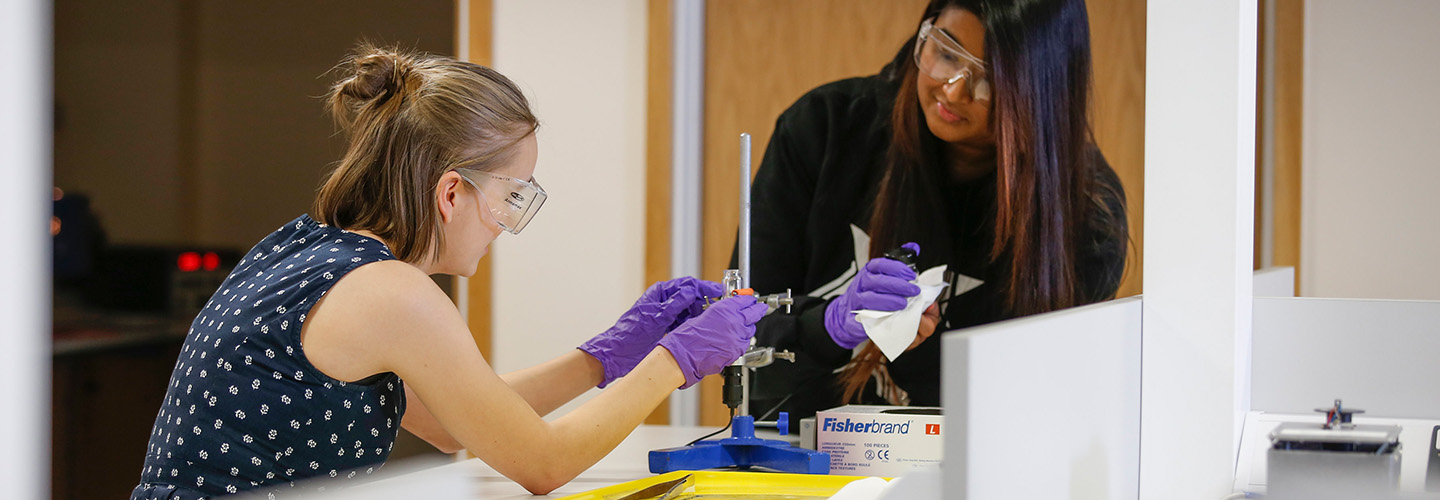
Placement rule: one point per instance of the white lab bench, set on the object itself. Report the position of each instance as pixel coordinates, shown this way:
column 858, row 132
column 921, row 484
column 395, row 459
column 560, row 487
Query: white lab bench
column 472, row 478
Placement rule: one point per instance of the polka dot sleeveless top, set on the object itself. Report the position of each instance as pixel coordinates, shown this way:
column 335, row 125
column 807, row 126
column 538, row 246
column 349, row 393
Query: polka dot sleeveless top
column 245, row 410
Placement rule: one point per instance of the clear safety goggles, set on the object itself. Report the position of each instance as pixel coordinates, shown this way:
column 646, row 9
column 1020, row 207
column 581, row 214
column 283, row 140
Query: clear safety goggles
column 942, row 58
column 512, row 201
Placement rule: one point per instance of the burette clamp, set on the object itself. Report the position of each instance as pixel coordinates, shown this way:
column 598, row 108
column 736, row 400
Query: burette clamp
column 732, row 288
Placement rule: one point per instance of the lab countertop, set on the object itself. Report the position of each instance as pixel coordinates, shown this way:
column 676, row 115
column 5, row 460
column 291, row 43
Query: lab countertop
column 473, row 478
column 82, row 329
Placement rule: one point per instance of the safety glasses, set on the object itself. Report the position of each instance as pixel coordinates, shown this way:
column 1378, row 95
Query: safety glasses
column 512, row 201
column 942, row 58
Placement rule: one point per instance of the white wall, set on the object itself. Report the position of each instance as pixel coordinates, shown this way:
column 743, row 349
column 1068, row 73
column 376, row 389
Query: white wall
column 579, row 263
column 1371, row 211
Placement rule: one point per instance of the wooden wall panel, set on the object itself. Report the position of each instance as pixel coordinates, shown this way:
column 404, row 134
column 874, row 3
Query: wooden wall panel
column 480, row 317
column 658, row 135
column 760, row 56
column 1117, row 47
column 1289, row 96
column 482, row 32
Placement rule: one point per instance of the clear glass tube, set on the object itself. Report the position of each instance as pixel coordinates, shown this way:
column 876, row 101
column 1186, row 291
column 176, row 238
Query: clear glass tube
column 732, row 281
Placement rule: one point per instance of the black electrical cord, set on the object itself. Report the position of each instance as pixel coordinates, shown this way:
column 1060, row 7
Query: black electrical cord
column 776, row 407
column 722, row 429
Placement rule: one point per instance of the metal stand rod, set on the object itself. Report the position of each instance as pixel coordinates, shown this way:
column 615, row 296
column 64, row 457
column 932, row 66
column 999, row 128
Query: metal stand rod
column 743, row 449
column 744, row 243
column 745, row 209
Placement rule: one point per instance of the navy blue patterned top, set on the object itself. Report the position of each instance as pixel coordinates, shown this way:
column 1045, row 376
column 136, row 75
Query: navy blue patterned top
column 245, row 410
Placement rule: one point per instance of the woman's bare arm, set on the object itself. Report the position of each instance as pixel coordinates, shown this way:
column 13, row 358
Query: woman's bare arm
column 389, row 316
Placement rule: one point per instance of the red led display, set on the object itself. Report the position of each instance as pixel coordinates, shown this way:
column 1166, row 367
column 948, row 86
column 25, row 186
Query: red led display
column 188, row 261
column 211, row 261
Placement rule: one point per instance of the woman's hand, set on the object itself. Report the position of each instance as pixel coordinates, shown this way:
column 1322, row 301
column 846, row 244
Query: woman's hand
column 883, row 285
column 928, row 323
column 715, row 338
column 660, row 309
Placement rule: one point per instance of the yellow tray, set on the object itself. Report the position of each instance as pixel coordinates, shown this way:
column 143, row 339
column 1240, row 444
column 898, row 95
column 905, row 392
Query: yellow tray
column 719, row 485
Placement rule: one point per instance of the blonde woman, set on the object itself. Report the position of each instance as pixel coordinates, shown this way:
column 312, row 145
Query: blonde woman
column 330, row 335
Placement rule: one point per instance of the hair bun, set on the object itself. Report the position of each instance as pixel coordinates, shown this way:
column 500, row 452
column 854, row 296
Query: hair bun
column 375, row 73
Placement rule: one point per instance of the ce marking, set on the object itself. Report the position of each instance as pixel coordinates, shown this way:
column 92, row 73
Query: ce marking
column 882, row 455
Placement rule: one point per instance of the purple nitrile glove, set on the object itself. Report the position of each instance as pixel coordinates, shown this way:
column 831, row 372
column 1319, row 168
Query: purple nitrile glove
column 715, row 338
column 883, row 285
column 660, row 309
column 708, row 290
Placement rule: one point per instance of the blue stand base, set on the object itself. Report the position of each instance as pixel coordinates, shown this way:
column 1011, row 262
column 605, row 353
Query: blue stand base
column 743, row 450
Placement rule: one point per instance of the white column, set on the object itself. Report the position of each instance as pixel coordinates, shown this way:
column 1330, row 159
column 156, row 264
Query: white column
column 687, row 128
column 1199, row 213
column 578, row 264
column 25, row 257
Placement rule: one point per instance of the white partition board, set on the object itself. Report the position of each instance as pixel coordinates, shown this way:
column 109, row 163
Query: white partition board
column 1046, row 406
column 1199, row 234
column 1275, row 282
column 25, row 144
column 1379, row 355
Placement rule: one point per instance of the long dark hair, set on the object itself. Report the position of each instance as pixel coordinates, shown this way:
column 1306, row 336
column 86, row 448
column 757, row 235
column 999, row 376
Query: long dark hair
column 1038, row 52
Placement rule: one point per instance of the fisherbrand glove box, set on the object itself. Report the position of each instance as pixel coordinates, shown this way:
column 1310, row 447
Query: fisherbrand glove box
column 879, row 440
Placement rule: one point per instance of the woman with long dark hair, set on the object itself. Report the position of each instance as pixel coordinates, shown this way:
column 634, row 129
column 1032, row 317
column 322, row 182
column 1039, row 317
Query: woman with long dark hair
column 974, row 143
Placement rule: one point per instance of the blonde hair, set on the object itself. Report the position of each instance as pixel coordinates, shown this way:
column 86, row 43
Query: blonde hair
column 409, row 118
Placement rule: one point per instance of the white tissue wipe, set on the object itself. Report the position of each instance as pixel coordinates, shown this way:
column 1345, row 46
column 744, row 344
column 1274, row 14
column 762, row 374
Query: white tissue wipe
column 869, row 488
column 893, row 331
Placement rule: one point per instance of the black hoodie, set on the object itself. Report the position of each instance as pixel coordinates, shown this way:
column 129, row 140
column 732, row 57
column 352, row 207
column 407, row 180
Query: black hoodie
column 811, row 203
